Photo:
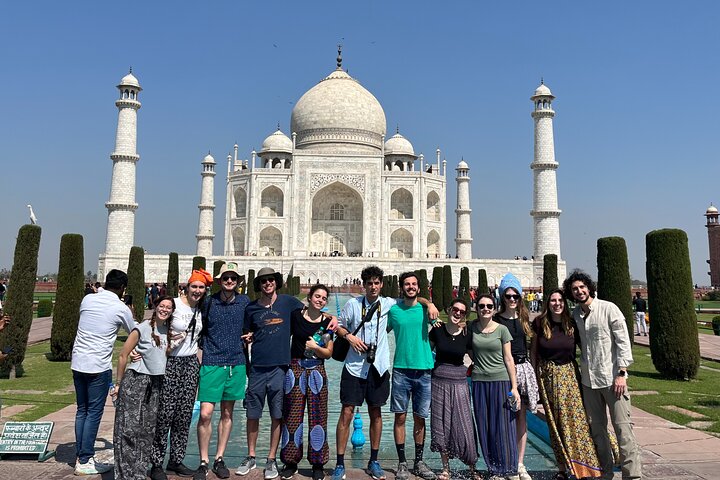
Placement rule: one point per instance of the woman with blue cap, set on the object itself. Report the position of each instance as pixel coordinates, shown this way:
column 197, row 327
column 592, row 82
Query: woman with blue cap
column 514, row 315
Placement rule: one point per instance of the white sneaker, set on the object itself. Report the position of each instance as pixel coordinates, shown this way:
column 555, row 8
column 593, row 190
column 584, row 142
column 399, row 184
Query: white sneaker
column 91, row 468
column 523, row 473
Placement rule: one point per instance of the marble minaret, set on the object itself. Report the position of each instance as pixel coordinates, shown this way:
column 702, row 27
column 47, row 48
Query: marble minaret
column 121, row 206
column 463, row 239
column 545, row 212
column 207, row 207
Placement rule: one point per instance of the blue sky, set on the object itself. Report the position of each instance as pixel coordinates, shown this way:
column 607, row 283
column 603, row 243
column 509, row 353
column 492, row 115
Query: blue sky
column 635, row 133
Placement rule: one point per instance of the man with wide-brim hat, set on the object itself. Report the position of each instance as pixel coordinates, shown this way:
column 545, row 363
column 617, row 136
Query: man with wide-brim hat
column 267, row 272
column 222, row 374
column 267, row 320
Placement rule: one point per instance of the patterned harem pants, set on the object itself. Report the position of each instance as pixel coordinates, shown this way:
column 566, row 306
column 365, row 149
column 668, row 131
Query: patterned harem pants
column 305, row 381
column 135, row 417
column 177, row 398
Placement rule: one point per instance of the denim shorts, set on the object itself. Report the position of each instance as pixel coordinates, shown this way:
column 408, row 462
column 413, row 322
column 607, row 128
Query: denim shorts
column 406, row 383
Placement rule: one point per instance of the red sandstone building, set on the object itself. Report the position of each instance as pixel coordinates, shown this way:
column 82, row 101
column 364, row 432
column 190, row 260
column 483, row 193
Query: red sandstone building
column 714, row 243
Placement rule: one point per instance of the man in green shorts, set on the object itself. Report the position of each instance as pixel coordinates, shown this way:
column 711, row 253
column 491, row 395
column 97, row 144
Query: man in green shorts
column 222, row 374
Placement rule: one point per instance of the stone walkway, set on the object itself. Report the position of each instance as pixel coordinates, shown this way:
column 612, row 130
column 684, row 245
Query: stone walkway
column 709, row 347
column 670, row 451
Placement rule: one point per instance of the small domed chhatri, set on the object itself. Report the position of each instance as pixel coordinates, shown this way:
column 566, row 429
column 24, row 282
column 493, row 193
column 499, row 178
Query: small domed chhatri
column 129, row 80
column 399, row 145
column 277, row 142
column 711, row 210
column 208, row 158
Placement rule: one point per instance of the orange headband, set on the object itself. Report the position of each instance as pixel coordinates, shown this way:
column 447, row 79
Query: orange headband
column 201, row 276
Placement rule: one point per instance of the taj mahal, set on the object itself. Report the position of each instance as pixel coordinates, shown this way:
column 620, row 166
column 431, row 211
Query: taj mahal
column 335, row 195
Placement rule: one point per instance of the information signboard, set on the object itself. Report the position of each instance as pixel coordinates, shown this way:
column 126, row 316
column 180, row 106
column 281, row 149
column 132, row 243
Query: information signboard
column 27, row 438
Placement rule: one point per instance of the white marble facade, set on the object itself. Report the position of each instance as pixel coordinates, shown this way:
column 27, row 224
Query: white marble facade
column 337, row 195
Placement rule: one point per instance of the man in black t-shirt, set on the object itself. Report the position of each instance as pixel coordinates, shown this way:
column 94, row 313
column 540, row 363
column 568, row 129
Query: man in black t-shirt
column 640, row 306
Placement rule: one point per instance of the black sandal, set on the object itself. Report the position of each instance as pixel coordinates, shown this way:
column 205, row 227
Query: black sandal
column 561, row 476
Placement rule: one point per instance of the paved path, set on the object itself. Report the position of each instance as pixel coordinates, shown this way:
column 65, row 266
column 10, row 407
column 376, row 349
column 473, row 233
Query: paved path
column 670, row 451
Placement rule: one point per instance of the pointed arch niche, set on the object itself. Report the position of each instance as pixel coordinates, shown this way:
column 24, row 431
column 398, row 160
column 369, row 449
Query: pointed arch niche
column 271, row 202
column 401, row 244
column 336, row 221
column 270, row 242
column 401, row 205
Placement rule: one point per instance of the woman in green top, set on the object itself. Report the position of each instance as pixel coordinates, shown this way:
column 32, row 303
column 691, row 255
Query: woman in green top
column 494, row 391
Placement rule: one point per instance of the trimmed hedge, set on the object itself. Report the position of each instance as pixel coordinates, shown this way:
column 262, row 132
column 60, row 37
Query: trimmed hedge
column 198, row 263
column 437, row 288
column 614, row 277
column 550, row 274
column 217, row 265
column 173, row 276
column 19, row 299
column 464, row 287
column 45, row 308
column 423, row 283
column 447, row 286
column 70, row 292
column 251, row 293
column 674, row 343
column 482, row 282
column 136, row 282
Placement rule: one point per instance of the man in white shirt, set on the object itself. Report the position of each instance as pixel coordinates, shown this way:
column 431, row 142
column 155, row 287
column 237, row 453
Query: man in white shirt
column 606, row 355
column 101, row 316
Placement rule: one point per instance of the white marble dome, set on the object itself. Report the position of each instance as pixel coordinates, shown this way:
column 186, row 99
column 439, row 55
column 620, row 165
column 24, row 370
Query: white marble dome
column 338, row 113
column 462, row 165
column 399, row 145
column 277, row 142
column 712, row 210
column 130, row 81
column 208, row 159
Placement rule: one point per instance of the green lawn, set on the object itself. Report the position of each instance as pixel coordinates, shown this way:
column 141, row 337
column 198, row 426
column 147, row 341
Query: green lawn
column 708, row 304
column 701, row 395
column 46, row 385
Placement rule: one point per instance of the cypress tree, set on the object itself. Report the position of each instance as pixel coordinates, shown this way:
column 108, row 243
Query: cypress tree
column 296, row 285
column 482, row 282
column 674, row 342
column 19, row 299
column 550, row 276
column 447, row 285
column 464, row 287
column 173, row 276
column 70, row 292
column 136, row 281
column 423, row 283
column 217, row 265
column 394, row 287
column 250, row 287
column 614, row 276
column 437, row 288
column 198, row 263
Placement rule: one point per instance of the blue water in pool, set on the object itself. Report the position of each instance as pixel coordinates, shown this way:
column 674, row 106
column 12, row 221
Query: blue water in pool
column 538, row 456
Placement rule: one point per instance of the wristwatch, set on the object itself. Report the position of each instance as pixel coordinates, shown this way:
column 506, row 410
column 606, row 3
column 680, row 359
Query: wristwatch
column 623, row 373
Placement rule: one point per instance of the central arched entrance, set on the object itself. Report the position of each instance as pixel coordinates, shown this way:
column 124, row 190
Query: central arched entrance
column 337, row 221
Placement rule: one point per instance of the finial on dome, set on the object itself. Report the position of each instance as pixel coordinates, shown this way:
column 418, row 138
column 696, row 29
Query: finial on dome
column 130, row 68
column 397, row 128
column 278, row 126
column 542, row 81
column 339, row 57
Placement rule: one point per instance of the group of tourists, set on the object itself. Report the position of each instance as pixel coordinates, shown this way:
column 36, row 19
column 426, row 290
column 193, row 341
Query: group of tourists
column 223, row 348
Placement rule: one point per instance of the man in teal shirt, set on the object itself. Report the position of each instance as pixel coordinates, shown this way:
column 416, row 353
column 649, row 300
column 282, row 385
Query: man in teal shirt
column 412, row 367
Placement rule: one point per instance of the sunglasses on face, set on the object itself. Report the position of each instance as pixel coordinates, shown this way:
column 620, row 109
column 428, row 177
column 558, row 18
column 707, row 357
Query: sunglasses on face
column 230, row 279
column 485, row 306
column 458, row 310
column 510, row 296
column 267, row 280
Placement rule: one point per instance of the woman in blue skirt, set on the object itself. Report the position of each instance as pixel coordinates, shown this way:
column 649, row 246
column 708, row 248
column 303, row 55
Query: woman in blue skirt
column 494, row 391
